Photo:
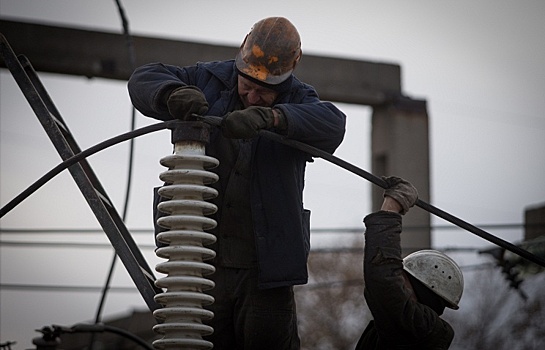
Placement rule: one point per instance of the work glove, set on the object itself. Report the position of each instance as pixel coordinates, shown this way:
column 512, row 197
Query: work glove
column 246, row 123
column 402, row 191
column 186, row 100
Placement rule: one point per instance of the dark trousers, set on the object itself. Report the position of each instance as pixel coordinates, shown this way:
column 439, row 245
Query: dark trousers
column 249, row 318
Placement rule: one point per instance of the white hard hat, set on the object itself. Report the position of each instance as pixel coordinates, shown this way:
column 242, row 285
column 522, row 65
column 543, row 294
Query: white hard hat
column 438, row 272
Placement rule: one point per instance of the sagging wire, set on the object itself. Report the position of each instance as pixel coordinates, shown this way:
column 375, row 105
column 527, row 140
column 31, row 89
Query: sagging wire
column 419, row 203
column 332, row 230
column 132, row 62
column 78, row 157
column 296, row 144
column 82, row 155
column 358, row 282
column 315, row 152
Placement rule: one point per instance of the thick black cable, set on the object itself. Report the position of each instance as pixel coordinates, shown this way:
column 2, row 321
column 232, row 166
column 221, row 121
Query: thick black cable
column 315, row 152
column 343, row 230
column 292, row 143
column 80, row 156
column 132, row 63
column 419, row 203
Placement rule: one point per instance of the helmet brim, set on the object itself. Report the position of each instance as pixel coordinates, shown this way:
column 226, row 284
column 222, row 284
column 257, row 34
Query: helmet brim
column 260, row 73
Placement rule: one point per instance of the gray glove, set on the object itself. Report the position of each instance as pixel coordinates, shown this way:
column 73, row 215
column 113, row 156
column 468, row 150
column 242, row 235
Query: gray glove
column 186, row 100
column 402, row 191
column 246, row 123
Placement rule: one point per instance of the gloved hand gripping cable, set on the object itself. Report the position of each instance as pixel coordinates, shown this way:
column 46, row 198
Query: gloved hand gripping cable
column 315, row 152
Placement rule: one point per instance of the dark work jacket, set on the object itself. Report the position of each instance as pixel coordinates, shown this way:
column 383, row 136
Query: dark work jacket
column 281, row 224
column 399, row 322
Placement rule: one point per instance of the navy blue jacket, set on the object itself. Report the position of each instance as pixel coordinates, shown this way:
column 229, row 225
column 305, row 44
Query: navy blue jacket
column 281, row 224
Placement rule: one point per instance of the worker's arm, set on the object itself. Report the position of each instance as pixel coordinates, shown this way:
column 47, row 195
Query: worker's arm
column 399, row 319
column 151, row 85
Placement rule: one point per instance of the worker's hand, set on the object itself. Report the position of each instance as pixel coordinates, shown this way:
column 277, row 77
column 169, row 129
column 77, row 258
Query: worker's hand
column 246, row 123
column 186, row 100
column 402, row 191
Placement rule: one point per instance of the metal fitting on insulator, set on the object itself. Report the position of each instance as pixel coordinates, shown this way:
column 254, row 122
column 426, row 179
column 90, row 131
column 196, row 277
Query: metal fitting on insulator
column 186, row 190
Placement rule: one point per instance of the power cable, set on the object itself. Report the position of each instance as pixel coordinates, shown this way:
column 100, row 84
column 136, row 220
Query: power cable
column 419, row 203
column 82, row 155
column 132, row 62
column 292, row 143
column 324, row 250
column 359, row 281
column 58, row 288
column 315, row 152
column 53, row 245
column 127, row 289
column 332, row 230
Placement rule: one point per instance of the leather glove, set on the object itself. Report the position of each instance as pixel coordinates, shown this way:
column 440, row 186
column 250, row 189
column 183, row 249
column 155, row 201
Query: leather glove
column 186, row 100
column 246, row 123
column 402, row 191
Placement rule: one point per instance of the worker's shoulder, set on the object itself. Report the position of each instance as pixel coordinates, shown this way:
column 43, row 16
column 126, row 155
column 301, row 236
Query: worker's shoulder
column 223, row 70
column 441, row 335
column 214, row 66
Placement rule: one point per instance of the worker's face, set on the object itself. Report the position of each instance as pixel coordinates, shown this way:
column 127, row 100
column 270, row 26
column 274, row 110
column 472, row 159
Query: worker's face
column 252, row 94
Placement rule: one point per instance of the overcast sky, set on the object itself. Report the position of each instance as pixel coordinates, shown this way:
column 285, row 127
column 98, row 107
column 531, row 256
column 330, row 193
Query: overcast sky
column 478, row 64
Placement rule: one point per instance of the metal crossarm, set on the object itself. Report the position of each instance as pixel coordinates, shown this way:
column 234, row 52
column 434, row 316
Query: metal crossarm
column 88, row 183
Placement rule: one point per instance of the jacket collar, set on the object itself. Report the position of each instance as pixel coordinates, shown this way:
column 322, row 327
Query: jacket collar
column 223, row 70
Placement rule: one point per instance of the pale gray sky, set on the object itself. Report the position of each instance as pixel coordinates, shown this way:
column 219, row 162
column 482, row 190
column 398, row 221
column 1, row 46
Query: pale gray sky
column 477, row 64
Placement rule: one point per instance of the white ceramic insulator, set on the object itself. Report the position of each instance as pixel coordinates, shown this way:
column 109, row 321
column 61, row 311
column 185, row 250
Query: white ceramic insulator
column 180, row 318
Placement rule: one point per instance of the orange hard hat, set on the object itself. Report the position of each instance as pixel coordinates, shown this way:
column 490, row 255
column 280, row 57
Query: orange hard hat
column 270, row 51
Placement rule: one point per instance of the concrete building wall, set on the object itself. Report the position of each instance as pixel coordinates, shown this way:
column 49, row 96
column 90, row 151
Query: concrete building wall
column 400, row 147
column 534, row 219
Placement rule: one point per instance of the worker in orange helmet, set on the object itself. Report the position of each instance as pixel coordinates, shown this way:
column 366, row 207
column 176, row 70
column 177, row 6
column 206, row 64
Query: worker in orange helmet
column 406, row 296
column 263, row 229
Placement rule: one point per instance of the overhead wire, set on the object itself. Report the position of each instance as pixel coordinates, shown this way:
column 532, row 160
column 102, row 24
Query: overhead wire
column 132, row 63
column 128, row 289
column 130, row 169
column 312, row 151
column 60, row 288
column 419, row 203
column 309, row 149
column 75, row 159
column 323, row 250
column 316, row 152
column 321, row 230
column 80, row 156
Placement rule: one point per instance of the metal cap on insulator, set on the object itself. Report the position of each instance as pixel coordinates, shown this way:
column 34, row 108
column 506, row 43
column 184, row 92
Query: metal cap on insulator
column 191, row 131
